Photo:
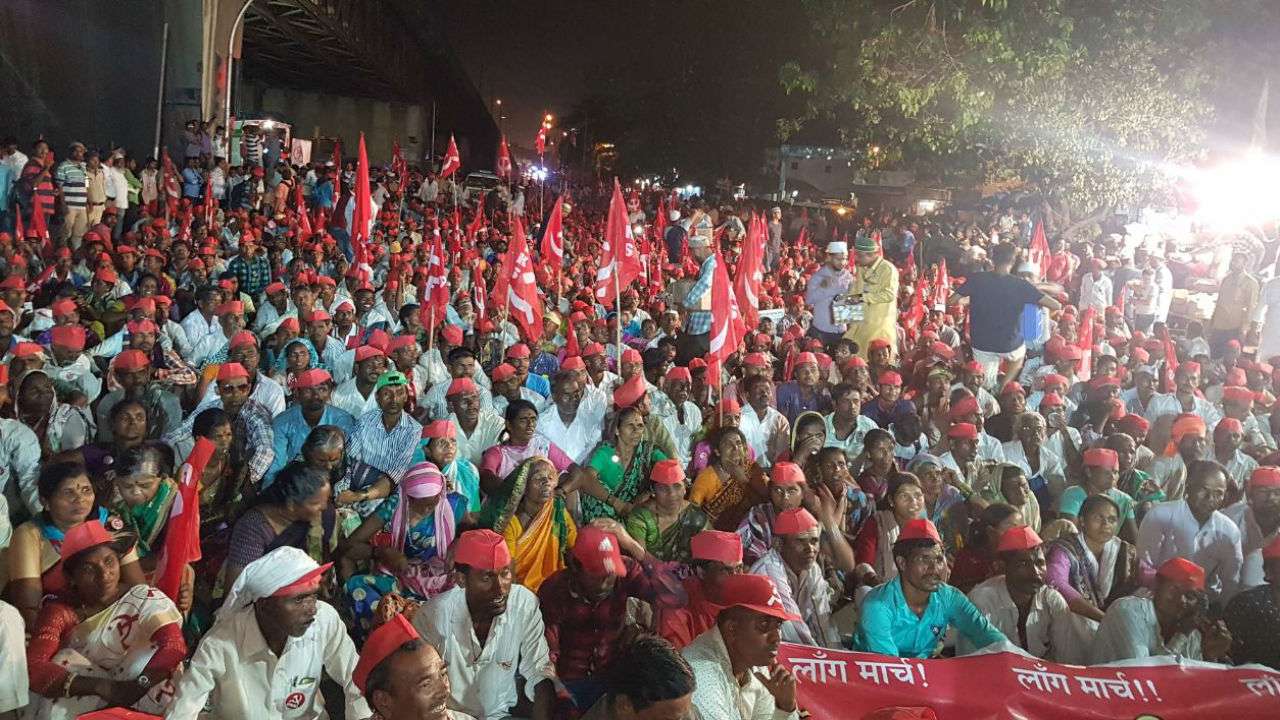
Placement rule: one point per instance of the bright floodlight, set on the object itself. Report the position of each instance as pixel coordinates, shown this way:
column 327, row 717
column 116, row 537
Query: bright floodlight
column 1237, row 194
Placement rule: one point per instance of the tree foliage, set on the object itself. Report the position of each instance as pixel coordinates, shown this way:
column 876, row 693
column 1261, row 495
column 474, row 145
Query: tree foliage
column 1081, row 102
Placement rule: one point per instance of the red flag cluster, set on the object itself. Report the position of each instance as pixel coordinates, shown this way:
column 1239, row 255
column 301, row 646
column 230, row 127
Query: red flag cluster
column 620, row 258
column 504, row 159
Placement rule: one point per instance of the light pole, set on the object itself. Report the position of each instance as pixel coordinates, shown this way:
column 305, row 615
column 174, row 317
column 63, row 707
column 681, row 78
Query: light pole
column 231, row 41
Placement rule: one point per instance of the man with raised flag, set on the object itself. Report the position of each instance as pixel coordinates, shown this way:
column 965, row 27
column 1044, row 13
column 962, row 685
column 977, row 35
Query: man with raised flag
column 270, row 647
column 909, row 616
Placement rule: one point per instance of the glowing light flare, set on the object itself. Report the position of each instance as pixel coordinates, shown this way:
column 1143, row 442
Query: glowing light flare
column 1235, row 194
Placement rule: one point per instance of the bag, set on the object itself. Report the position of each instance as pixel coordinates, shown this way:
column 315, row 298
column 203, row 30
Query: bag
column 850, row 312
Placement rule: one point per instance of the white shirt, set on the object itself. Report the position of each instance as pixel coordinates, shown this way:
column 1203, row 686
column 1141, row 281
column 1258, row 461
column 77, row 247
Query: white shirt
column 347, row 397
column 197, row 327
column 118, row 189
column 1169, row 404
column 489, row 427
column 1052, row 469
column 482, row 678
column 989, row 448
column 203, row 349
column 578, row 438
column 436, row 401
column 20, row 464
column 761, row 431
column 268, row 314
column 853, row 444
column 235, row 675
column 717, row 694
column 1130, row 630
column 682, row 432
column 540, row 403
column 809, row 595
column 1095, row 294
column 1252, row 540
column 13, row 671
column 266, row 391
column 1048, row 625
column 1169, row 530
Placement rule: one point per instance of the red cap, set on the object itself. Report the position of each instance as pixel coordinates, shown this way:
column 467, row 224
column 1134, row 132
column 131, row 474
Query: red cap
column 806, row 358
column 504, row 371
column 679, row 374
column 83, row 537
column 460, row 386
column 697, row 364
column 598, row 553
column 1051, row 399
column 401, row 341
column 63, row 308
column 1237, row 394
column 275, row 287
column 106, row 275
column 1182, row 572
column 717, row 545
column 667, row 472
column 1265, row 476
column 794, row 522
column 70, row 337
column 27, row 349
column 963, row 431
column 452, row 334
column 919, row 529
column 318, row 316
column 232, row 307
column 439, row 429
column 756, row 360
column 365, row 352
column 631, row 355
column 482, row 550
column 573, row 363
column 855, row 362
column 1012, row 387
column 231, row 371
column 753, row 592
column 1019, row 538
column 241, row 339
column 973, row 366
column 310, row 378
column 290, row 323
column 964, row 407
column 131, row 360
column 1053, row 379
column 1102, row 458
column 877, row 344
column 629, row 392
column 1133, row 424
column 518, row 351
column 309, row 582
column 1067, row 352
column 381, row 644
column 1272, row 550
column 890, row 377
column 730, row 406
column 786, row 473
column 592, row 349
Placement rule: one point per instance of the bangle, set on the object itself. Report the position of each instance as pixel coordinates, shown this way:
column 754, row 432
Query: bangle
column 66, row 684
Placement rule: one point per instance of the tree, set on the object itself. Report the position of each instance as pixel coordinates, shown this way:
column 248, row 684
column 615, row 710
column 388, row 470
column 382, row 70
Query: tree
column 1083, row 104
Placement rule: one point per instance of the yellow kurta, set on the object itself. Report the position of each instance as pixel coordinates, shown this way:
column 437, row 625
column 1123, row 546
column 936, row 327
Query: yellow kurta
column 879, row 287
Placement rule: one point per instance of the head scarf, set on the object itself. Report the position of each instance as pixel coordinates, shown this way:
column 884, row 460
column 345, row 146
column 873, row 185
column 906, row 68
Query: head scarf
column 263, row 577
column 1185, row 425
column 501, row 506
column 282, row 360
column 424, row 480
column 800, row 419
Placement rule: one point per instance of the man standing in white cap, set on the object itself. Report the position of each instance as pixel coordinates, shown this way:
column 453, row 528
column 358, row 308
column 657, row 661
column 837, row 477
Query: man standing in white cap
column 695, row 341
column 265, row 653
column 830, row 282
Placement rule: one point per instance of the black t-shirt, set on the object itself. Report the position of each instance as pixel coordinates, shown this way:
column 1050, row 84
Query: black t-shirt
column 995, row 310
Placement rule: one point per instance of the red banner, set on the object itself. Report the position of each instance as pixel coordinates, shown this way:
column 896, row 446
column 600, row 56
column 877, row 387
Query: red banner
column 1005, row 686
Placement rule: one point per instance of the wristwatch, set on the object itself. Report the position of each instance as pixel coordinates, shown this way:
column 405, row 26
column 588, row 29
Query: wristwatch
column 143, row 681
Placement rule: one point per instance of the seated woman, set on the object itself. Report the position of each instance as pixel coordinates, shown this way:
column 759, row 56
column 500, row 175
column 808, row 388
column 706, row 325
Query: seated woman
column 1092, row 569
column 34, row 553
column 873, row 548
column 617, row 477
column 833, row 474
column 405, row 540
column 522, row 442
column 876, row 466
column 129, row 428
column 143, row 495
column 977, row 560
column 808, row 436
column 727, row 414
column 666, row 522
column 296, row 510
column 730, row 484
column 102, row 642
column 59, row 426
column 532, row 518
column 440, row 446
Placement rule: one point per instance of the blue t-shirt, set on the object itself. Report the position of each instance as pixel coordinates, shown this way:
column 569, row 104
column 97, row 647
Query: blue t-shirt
column 995, row 309
column 889, row 626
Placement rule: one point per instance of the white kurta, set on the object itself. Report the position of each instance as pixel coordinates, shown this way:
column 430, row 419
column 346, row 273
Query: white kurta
column 1048, row 625
column 1169, row 530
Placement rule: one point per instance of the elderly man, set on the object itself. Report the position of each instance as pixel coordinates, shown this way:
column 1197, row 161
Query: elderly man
column 311, row 389
column 716, row 555
column 402, row 676
column 1258, row 518
column 736, row 663
column 479, row 427
column 795, row 568
column 1021, row 605
column 243, row 349
column 265, row 654
column 1167, row 621
column 909, row 616
column 570, row 422
column 1193, row 528
column 489, row 631
column 825, row 286
column 1046, row 473
column 381, row 447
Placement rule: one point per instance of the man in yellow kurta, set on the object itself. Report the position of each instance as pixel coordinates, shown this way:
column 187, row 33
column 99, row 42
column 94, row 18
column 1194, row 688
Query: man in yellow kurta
column 875, row 284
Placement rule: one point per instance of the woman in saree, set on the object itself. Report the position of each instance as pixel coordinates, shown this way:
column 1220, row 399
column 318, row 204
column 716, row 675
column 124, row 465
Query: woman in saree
column 102, row 642
column 727, row 414
column 144, row 491
column 617, row 477
column 35, row 551
column 405, row 541
column 521, row 443
column 296, row 510
column 666, row 522
column 977, row 560
column 59, row 426
column 808, row 436
column 731, row 484
column 533, row 520
column 873, row 548
column 440, row 446
column 1092, row 568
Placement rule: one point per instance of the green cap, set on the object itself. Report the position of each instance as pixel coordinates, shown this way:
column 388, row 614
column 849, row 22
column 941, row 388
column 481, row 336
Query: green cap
column 392, row 378
column 864, row 243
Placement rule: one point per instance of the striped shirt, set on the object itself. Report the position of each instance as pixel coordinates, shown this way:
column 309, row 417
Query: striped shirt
column 74, row 181
column 389, row 452
column 699, row 322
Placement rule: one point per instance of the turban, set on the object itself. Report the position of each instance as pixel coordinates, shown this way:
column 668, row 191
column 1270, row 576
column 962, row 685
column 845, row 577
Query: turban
column 277, row 570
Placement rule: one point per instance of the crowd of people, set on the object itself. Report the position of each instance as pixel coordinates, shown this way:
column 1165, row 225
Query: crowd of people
column 939, row 437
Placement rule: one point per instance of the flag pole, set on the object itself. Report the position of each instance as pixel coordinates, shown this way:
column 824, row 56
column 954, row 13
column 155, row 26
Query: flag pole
column 431, row 331
column 617, row 304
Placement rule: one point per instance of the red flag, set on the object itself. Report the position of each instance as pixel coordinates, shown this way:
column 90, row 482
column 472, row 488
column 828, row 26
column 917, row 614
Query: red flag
column 620, row 259
column 363, row 212
column 517, row 286
column 478, row 295
column 1038, row 251
column 182, row 534
column 39, row 222
column 398, row 164
column 1170, row 361
column 1084, row 341
column 552, row 249
column 477, row 222
column 169, row 176
column 504, row 159
column 337, row 172
column 726, row 333
column 19, row 231
column 803, row 237
column 305, row 228
column 750, row 272
column 916, row 313
column 540, row 142
column 437, row 290
column 941, row 288
column 452, row 160
column 909, row 267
